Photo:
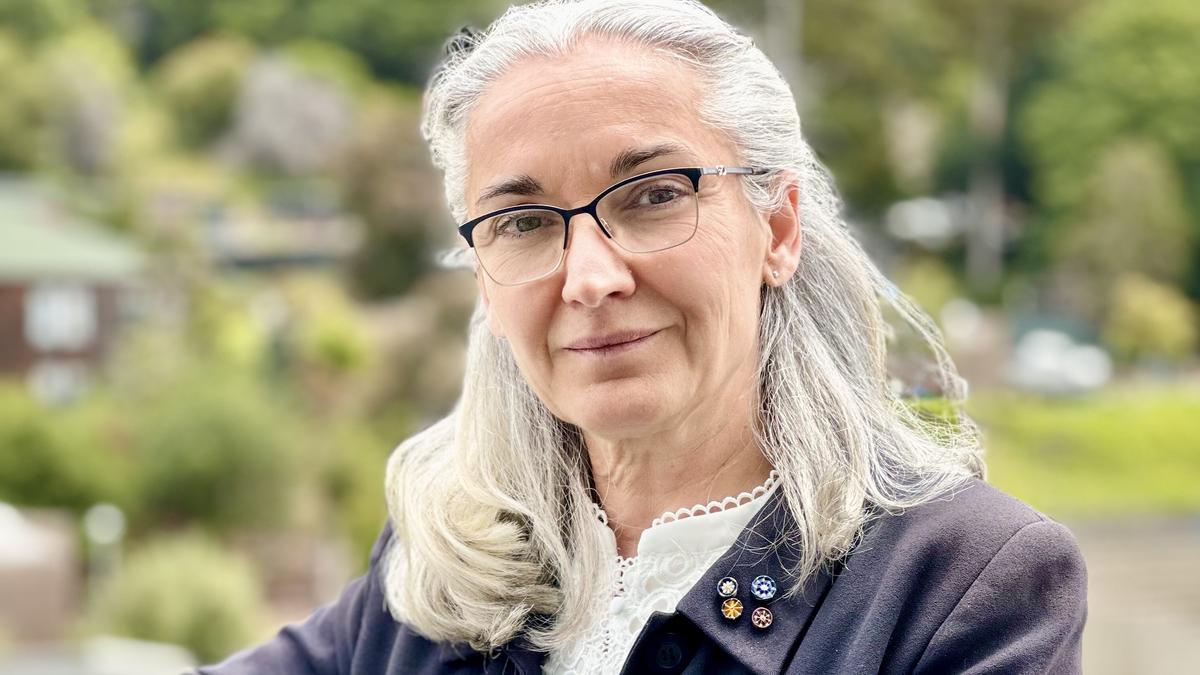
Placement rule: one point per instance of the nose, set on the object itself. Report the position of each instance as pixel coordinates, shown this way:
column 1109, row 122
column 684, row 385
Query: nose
column 594, row 266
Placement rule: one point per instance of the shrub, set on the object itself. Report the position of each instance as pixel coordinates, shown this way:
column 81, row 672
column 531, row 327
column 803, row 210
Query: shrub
column 213, row 448
column 51, row 458
column 200, row 82
column 185, row 590
column 1148, row 319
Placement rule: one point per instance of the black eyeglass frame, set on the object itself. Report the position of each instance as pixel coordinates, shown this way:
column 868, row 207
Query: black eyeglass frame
column 467, row 229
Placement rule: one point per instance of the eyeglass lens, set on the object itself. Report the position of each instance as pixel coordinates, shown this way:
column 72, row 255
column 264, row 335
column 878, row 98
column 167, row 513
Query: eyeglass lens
column 648, row 215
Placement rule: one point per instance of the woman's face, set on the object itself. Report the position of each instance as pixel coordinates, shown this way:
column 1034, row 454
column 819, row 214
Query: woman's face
column 561, row 122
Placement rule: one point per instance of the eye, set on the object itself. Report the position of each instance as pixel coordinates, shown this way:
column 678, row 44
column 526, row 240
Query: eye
column 658, row 195
column 516, row 224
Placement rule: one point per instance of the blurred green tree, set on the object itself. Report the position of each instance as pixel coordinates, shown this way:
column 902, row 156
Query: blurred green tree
column 1134, row 220
column 892, row 91
column 200, row 82
column 37, row 21
column 22, row 117
column 1121, row 70
column 385, row 180
column 88, row 75
column 398, row 39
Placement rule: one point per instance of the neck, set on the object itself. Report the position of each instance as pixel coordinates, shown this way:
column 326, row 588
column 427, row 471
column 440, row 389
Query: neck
column 639, row 479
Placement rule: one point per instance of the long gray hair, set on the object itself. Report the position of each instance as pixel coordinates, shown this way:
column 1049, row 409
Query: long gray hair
column 495, row 536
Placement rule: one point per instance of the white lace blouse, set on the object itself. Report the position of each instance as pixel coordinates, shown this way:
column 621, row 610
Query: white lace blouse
column 672, row 554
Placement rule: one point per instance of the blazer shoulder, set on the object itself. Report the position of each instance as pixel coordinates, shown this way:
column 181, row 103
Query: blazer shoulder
column 974, row 521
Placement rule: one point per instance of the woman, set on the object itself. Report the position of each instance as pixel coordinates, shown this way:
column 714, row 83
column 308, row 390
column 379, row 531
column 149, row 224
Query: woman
column 673, row 313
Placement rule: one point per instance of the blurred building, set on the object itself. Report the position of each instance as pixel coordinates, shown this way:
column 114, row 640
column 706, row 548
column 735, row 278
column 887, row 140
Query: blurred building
column 299, row 224
column 63, row 283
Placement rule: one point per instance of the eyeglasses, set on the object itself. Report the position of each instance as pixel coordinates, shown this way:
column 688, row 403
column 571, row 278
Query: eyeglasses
column 645, row 213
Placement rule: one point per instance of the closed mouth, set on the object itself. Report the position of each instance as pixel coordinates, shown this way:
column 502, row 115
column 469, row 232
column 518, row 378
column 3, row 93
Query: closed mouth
column 611, row 342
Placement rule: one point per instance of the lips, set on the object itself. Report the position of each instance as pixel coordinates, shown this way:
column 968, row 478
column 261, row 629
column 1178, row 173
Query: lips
column 615, row 339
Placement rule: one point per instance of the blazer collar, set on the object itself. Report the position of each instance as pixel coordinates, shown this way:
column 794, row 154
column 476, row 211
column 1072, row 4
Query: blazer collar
column 758, row 551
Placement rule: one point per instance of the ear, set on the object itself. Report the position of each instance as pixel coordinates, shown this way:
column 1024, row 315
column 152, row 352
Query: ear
column 783, row 253
column 482, row 282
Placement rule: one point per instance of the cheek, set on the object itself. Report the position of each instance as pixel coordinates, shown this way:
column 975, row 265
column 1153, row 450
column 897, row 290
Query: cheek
column 715, row 282
column 524, row 315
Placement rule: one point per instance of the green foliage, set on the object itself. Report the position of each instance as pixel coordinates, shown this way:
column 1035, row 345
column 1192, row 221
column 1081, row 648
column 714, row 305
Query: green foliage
column 930, row 282
column 354, row 462
column 397, row 39
column 36, row 21
column 863, row 60
column 1126, row 452
column 223, row 327
column 385, row 183
column 53, row 457
column 1123, row 69
column 89, row 76
column 328, row 336
column 185, row 590
column 330, row 62
column 200, row 83
column 214, row 449
column 1135, row 219
column 1150, row 320
column 22, row 117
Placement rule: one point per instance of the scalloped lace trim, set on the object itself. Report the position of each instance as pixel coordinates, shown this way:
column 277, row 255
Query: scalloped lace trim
column 720, row 505
column 715, row 506
column 637, row 587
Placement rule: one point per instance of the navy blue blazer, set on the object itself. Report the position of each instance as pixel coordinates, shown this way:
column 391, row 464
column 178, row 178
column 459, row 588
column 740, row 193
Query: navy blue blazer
column 974, row 583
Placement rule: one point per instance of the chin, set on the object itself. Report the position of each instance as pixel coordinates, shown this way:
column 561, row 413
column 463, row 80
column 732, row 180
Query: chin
column 618, row 412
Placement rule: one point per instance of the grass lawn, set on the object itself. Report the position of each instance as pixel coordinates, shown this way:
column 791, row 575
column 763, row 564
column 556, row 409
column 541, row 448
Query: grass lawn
column 1126, row 451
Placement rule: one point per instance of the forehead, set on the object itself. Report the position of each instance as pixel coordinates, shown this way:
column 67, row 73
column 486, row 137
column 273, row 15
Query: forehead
column 565, row 117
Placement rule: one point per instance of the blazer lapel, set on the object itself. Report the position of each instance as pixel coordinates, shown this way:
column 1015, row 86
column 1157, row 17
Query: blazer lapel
column 765, row 651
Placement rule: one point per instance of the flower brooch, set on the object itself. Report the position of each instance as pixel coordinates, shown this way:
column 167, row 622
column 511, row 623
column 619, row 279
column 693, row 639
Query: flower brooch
column 762, row 587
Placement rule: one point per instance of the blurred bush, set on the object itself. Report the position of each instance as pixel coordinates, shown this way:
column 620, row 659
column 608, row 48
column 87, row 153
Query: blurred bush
column 185, row 590
column 352, row 461
column 930, row 282
column 1150, row 321
column 214, row 449
column 22, row 117
column 200, row 83
column 55, row 458
column 90, row 76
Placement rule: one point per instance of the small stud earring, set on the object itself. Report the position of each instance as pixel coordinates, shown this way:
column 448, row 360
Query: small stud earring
column 774, row 274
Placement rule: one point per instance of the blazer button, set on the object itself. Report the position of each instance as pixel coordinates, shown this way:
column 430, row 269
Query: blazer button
column 670, row 655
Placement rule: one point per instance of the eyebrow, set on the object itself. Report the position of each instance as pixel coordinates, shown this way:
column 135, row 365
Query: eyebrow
column 624, row 162
column 630, row 159
column 521, row 185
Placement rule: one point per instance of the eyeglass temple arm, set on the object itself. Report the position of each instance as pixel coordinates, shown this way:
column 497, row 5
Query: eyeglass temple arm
column 740, row 170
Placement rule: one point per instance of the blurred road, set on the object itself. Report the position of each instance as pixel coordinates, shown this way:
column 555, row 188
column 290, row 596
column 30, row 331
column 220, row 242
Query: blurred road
column 1143, row 597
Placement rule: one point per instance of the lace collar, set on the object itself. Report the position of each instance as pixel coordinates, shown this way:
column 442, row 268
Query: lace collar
column 672, row 554
column 702, row 527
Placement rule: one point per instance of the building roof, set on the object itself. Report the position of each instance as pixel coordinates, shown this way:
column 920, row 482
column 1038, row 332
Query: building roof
column 39, row 239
